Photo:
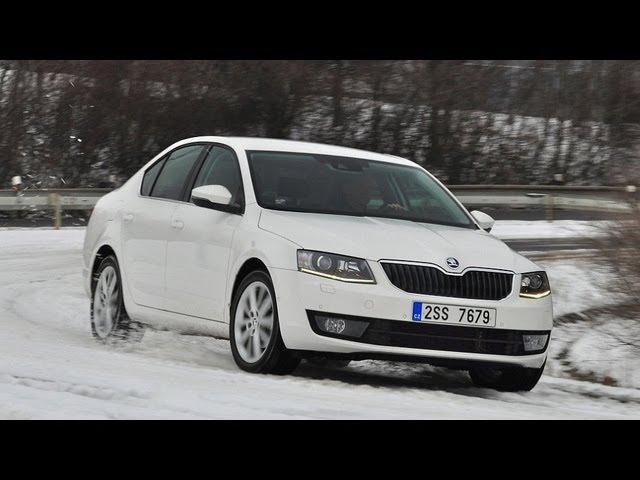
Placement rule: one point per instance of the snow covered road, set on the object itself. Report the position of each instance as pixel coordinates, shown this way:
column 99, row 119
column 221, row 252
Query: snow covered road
column 50, row 367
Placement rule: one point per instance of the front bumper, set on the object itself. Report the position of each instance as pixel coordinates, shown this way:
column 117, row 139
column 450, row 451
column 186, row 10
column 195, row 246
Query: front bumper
column 298, row 293
column 427, row 336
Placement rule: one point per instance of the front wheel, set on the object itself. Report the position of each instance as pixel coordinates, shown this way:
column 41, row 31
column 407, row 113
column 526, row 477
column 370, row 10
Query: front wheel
column 109, row 319
column 507, row 379
column 254, row 330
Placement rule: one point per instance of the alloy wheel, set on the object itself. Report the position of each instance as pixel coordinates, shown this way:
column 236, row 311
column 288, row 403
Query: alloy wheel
column 106, row 302
column 253, row 322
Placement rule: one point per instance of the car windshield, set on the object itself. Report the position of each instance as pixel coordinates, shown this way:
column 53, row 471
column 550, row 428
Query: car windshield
column 314, row 183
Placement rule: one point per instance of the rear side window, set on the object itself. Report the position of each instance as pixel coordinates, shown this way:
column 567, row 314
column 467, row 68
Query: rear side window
column 150, row 177
column 172, row 178
column 221, row 168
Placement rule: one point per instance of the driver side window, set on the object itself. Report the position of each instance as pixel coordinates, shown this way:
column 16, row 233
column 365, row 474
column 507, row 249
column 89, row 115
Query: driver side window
column 221, row 168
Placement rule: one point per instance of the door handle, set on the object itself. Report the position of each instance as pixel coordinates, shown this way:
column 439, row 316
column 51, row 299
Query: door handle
column 128, row 217
column 177, row 224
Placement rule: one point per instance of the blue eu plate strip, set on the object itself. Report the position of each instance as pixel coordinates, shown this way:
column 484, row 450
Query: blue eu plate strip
column 417, row 311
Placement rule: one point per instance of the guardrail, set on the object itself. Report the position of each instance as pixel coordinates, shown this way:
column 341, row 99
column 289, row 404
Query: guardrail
column 54, row 199
column 549, row 197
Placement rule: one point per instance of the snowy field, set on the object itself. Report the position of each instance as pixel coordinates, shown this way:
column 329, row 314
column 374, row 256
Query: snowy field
column 50, row 367
column 517, row 229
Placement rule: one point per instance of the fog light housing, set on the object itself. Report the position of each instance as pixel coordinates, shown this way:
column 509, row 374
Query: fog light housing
column 338, row 326
column 534, row 342
column 334, row 325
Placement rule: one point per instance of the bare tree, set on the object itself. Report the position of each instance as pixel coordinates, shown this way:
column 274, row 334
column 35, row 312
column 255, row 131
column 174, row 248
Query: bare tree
column 469, row 121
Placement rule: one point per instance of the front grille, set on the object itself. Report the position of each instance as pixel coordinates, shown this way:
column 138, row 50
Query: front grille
column 431, row 281
column 451, row 338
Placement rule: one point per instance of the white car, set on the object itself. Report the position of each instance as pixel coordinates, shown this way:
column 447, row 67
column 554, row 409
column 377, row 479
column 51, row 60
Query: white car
column 298, row 250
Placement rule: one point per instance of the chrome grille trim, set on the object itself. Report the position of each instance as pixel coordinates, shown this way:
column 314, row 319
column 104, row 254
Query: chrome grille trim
column 430, row 280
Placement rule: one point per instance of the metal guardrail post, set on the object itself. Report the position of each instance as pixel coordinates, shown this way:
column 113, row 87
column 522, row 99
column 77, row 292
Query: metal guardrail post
column 56, row 201
column 632, row 196
column 550, row 206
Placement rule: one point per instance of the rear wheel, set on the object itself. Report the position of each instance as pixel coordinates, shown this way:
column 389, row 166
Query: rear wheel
column 254, row 330
column 109, row 319
column 506, row 379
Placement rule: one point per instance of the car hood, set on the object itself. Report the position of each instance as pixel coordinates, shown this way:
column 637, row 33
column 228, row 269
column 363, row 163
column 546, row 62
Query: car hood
column 391, row 239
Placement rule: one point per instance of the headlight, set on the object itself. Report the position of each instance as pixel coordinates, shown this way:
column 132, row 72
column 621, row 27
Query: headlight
column 337, row 267
column 534, row 285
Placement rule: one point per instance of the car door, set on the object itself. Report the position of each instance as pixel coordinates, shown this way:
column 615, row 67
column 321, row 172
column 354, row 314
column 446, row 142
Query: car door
column 146, row 224
column 200, row 242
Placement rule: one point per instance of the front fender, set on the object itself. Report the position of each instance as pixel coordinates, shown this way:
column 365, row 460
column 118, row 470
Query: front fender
column 250, row 242
column 103, row 230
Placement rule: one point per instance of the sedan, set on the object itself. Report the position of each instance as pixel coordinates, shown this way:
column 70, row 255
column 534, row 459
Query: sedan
column 297, row 250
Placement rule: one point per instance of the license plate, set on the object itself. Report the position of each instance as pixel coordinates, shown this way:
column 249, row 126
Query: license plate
column 454, row 314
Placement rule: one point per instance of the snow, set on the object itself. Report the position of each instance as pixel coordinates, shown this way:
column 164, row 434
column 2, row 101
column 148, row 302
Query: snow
column 591, row 347
column 514, row 229
column 578, row 285
column 595, row 349
column 50, row 367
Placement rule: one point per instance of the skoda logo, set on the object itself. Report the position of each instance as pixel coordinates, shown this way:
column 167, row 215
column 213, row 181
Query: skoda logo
column 452, row 262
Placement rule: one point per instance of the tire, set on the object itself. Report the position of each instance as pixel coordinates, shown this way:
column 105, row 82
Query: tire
column 254, row 330
column 109, row 320
column 507, row 379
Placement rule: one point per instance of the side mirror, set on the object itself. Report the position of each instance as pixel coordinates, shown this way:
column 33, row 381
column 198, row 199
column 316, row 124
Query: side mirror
column 216, row 197
column 485, row 221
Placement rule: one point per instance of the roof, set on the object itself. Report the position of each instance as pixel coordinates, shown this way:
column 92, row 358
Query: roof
column 278, row 145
